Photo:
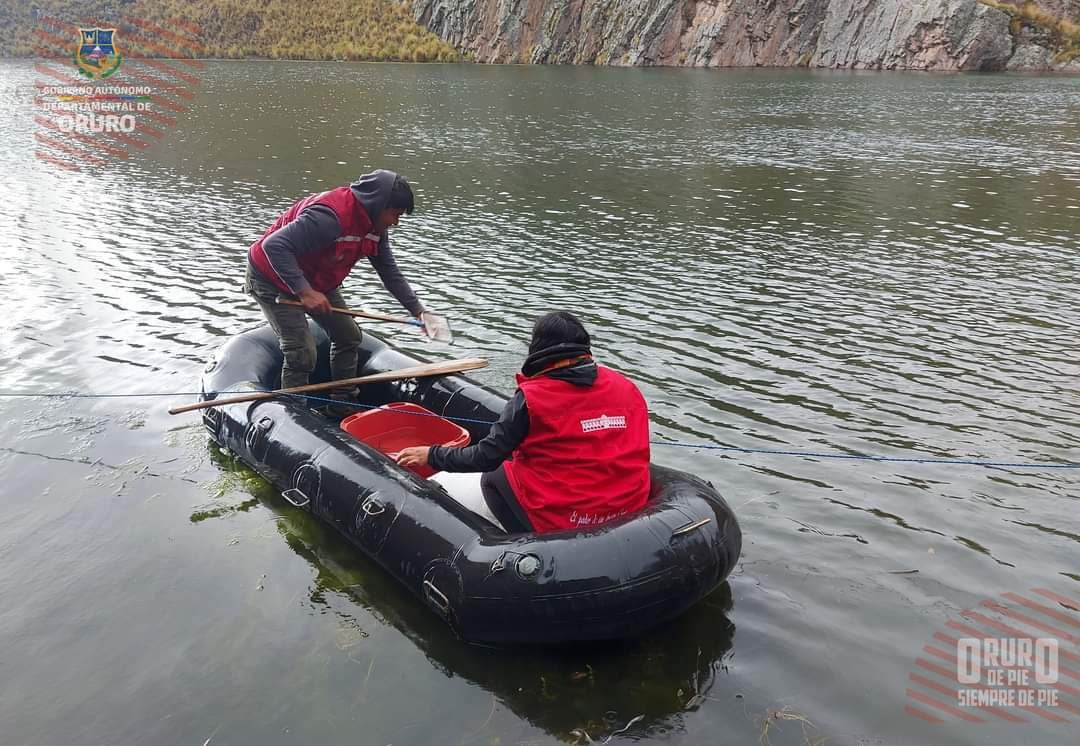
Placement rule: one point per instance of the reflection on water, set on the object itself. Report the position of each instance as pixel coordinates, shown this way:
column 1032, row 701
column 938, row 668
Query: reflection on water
column 566, row 692
column 785, row 260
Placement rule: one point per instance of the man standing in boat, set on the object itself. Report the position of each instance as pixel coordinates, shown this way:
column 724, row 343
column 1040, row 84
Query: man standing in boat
column 577, row 432
column 307, row 253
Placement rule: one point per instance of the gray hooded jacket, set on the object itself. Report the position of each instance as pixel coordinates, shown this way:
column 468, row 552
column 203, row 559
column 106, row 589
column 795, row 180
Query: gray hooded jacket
column 317, row 227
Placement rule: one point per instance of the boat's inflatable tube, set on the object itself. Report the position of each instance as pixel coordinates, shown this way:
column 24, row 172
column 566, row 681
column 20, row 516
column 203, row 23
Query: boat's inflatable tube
column 612, row 581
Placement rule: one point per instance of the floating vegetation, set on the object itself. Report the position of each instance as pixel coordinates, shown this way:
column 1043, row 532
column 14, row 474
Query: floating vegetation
column 349, row 634
column 587, row 674
column 225, row 510
column 773, row 717
column 234, row 476
column 584, row 738
column 133, row 420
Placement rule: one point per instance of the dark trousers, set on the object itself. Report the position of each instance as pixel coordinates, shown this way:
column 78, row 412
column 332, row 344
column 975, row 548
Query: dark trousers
column 290, row 323
column 500, row 498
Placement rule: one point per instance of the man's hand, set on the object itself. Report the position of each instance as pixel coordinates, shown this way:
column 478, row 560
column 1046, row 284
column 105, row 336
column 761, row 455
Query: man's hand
column 314, row 301
column 436, row 327
column 413, row 456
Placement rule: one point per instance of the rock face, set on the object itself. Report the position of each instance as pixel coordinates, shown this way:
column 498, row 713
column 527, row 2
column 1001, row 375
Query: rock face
column 856, row 34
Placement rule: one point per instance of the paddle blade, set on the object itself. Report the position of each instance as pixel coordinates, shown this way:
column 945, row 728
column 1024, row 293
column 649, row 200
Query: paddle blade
column 437, row 327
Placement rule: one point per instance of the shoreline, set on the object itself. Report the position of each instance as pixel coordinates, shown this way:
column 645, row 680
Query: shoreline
column 1071, row 69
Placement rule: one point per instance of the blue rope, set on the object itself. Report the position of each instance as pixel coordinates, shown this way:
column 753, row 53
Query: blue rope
column 769, row 451
column 701, row 446
column 108, row 396
column 856, row 457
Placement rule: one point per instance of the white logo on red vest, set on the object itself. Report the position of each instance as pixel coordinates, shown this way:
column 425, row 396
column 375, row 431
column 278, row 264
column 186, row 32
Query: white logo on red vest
column 603, row 422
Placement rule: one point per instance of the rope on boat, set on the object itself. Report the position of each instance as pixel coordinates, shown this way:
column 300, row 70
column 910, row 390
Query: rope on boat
column 676, row 444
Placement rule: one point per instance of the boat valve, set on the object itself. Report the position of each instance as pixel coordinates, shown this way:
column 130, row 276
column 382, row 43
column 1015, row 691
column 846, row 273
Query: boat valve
column 527, row 566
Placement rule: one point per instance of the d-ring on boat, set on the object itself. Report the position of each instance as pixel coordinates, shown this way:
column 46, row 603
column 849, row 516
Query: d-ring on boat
column 611, row 581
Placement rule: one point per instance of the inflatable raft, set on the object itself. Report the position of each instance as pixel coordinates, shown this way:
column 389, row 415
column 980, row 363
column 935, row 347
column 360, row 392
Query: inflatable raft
column 612, row 581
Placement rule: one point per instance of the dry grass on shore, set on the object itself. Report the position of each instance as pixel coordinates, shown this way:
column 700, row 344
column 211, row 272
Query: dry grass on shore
column 367, row 30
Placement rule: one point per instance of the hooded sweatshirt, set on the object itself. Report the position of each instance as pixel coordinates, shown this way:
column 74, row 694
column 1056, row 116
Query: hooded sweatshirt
column 317, row 227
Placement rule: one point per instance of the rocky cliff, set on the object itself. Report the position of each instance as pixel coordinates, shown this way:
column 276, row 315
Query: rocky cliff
column 857, row 34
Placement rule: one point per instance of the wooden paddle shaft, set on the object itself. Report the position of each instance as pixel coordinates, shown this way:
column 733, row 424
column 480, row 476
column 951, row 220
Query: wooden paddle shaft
column 419, row 371
column 360, row 314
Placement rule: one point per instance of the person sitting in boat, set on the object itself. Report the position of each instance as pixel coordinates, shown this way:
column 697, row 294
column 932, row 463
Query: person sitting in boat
column 577, row 433
column 307, row 253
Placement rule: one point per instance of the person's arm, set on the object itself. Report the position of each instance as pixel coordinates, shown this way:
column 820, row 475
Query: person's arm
column 484, row 455
column 393, row 280
column 316, row 227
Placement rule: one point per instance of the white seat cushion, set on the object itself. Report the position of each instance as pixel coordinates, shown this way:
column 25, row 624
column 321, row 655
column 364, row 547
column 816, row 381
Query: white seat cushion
column 465, row 488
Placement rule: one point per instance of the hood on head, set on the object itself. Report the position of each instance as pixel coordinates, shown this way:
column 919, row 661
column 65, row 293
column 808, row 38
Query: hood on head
column 581, row 373
column 373, row 191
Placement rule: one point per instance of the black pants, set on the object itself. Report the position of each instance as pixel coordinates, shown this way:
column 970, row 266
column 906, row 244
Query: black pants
column 500, row 498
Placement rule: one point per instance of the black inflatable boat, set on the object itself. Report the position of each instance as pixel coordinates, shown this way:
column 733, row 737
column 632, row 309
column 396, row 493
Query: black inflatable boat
column 612, row 581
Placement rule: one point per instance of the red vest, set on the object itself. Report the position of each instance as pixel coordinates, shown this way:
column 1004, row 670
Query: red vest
column 585, row 460
column 326, row 267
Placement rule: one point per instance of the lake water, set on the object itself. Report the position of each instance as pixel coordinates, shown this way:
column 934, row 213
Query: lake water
column 835, row 263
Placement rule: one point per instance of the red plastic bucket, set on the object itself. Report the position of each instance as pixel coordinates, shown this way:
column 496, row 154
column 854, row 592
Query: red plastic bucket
column 400, row 425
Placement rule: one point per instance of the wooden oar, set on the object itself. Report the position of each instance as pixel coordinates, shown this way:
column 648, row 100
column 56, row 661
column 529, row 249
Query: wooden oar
column 418, row 371
column 437, row 327
column 360, row 314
